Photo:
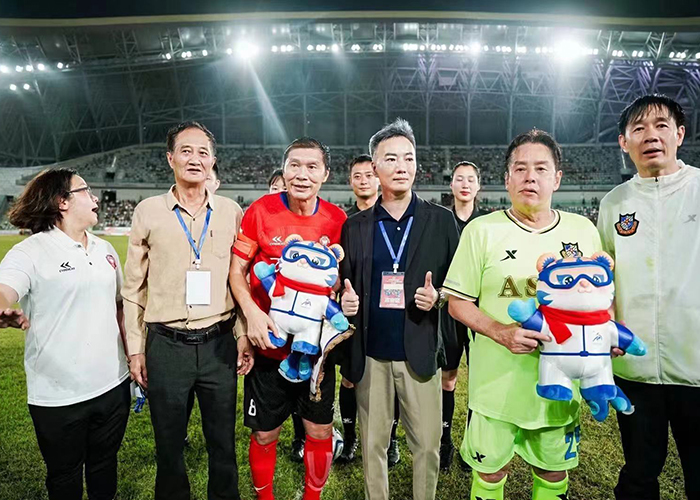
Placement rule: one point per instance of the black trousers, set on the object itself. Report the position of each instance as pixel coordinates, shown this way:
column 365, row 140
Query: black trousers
column 645, row 438
column 84, row 435
column 174, row 369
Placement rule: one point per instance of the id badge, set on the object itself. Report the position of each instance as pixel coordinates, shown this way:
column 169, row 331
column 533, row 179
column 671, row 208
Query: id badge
column 392, row 293
column 198, row 288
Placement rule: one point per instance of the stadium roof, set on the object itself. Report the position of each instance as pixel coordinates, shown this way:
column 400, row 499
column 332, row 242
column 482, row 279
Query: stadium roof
column 80, row 78
column 627, row 12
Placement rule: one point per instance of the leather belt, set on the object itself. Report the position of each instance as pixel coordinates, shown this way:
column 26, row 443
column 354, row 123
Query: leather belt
column 194, row 337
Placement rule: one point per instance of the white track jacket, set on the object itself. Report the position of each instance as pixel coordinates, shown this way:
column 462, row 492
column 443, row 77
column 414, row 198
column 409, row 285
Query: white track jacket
column 651, row 227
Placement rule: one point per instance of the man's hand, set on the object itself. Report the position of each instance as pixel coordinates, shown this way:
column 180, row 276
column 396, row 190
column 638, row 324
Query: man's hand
column 246, row 355
column 349, row 300
column 426, row 296
column 616, row 351
column 137, row 367
column 518, row 340
column 13, row 318
column 259, row 324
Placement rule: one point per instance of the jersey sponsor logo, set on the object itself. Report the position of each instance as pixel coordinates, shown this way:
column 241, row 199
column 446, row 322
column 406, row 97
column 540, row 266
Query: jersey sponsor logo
column 306, row 304
column 64, row 267
column 277, row 241
column 510, row 289
column 252, row 410
column 691, row 218
column 627, row 225
column 570, row 250
column 112, row 261
column 479, row 457
column 510, row 254
column 598, row 338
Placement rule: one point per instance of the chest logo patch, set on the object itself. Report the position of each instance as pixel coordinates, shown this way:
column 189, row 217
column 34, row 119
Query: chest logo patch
column 112, row 261
column 627, row 225
column 570, row 250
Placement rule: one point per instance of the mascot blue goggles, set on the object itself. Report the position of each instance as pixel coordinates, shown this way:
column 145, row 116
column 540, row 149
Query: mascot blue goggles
column 316, row 258
column 565, row 275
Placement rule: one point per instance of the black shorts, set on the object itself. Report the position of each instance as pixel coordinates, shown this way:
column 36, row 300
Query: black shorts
column 454, row 347
column 269, row 399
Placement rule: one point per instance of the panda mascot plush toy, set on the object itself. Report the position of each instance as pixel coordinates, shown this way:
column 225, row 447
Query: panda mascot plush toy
column 300, row 285
column 574, row 295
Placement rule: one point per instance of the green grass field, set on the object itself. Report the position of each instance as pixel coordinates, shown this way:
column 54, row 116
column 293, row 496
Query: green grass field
column 23, row 470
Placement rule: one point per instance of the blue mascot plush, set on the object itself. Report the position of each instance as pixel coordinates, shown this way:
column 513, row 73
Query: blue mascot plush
column 575, row 294
column 300, row 286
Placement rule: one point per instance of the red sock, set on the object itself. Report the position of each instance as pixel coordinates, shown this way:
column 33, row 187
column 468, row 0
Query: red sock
column 318, row 456
column 262, row 467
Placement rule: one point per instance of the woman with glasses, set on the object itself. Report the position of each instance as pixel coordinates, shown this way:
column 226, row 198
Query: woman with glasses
column 67, row 282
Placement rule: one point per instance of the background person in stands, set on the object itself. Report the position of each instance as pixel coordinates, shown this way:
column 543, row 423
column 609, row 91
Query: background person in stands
column 465, row 185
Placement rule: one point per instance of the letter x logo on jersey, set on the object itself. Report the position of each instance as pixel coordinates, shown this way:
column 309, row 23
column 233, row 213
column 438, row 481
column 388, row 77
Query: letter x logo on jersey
column 479, row 457
column 510, row 254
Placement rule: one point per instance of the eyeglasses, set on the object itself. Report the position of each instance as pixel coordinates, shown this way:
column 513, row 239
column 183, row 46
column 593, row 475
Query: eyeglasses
column 85, row 188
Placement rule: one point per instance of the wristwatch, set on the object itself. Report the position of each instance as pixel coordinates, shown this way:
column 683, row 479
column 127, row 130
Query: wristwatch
column 442, row 299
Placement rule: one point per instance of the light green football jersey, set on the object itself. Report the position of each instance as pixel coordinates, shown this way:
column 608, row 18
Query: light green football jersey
column 495, row 263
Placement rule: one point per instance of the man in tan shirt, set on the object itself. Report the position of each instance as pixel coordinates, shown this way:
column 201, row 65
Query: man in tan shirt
column 179, row 315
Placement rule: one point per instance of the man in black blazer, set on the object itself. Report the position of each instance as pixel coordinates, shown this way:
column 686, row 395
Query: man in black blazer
column 393, row 255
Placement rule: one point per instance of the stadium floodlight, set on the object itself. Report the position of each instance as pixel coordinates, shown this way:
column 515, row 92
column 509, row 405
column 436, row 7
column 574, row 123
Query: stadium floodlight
column 60, row 65
column 275, row 48
column 41, row 67
column 452, row 47
column 538, row 50
column 205, row 53
column 595, row 52
column 634, row 53
column 13, row 87
column 168, row 56
column 433, row 47
column 19, row 69
column 246, row 50
column 356, row 47
column 422, row 47
column 26, row 86
column 310, row 47
column 444, row 47
column 377, row 47
column 4, row 69
column 486, row 48
column 229, row 51
column 335, row 47
column 683, row 55
column 290, row 48
column 321, row 48
column 521, row 49
column 671, row 55
column 184, row 55
column 29, row 68
column 498, row 48
column 697, row 55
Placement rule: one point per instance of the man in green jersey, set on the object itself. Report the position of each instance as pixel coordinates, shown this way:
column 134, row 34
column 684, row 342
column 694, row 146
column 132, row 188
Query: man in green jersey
column 496, row 264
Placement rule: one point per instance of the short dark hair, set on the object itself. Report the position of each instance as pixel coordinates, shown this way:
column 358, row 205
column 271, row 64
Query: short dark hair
column 363, row 158
column 177, row 129
column 215, row 169
column 468, row 164
column 36, row 208
column 642, row 105
column 536, row 136
column 309, row 143
column 397, row 128
column 276, row 174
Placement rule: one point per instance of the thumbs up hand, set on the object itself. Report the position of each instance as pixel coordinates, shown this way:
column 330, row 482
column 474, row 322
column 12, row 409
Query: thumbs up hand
column 426, row 296
column 349, row 300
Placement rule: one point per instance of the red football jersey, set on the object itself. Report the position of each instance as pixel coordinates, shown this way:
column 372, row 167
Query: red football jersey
column 268, row 222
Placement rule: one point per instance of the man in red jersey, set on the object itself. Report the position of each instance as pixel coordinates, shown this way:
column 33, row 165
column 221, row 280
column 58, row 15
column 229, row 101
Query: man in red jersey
column 269, row 398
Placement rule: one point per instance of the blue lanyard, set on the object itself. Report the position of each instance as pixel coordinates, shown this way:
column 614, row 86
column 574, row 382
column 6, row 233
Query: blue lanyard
column 396, row 257
column 197, row 250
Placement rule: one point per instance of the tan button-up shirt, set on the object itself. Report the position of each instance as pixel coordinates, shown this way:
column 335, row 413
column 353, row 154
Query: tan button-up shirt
column 159, row 256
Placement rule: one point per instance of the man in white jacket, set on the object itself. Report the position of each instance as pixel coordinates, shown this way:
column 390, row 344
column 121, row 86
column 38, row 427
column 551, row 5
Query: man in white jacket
column 651, row 226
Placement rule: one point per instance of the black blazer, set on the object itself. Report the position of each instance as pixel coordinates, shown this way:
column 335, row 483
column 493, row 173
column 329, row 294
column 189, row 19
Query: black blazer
column 433, row 241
